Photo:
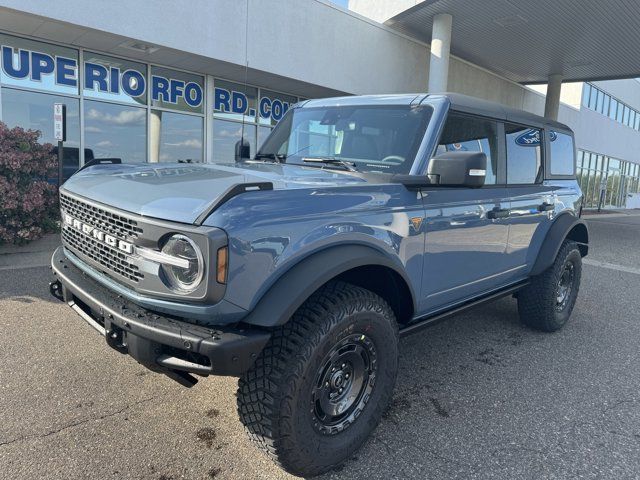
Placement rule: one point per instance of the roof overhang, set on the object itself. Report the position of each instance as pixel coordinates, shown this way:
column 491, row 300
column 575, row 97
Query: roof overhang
column 527, row 41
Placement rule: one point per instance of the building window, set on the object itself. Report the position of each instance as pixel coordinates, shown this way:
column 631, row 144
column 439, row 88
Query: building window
column 597, row 100
column 227, row 136
column 620, row 114
column 607, row 103
column 37, row 65
column 176, row 90
column 524, row 154
column 115, row 131
column 626, row 114
column 273, row 106
column 115, row 79
column 586, row 93
column 234, row 101
column 175, row 137
column 34, row 111
column 614, row 109
column 130, row 110
column 600, row 102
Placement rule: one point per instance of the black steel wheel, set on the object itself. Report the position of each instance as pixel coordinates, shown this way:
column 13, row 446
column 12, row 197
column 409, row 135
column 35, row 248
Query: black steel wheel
column 323, row 381
column 344, row 383
column 564, row 288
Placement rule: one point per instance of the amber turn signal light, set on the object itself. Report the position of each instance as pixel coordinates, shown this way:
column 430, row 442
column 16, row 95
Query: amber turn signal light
column 221, row 273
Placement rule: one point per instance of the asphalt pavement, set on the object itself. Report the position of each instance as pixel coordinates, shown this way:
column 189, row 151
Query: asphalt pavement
column 478, row 396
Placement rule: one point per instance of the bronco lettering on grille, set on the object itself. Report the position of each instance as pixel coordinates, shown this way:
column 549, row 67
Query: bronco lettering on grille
column 100, row 236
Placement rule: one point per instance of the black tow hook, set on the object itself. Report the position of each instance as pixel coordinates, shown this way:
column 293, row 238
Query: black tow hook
column 55, row 288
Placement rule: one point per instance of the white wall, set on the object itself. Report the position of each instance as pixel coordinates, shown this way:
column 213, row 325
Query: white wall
column 309, row 40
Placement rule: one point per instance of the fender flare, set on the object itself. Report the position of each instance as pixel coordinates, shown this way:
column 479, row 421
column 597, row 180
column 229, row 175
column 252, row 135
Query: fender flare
column 297, row 284
column 558, row 232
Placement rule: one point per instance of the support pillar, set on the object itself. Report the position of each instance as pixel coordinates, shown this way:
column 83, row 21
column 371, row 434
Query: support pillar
column 552, row 100
column 155, row 129
column 440, row 47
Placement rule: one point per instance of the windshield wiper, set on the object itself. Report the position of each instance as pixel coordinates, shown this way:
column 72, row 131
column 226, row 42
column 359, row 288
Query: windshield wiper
column 331, row 161
column 271, row 156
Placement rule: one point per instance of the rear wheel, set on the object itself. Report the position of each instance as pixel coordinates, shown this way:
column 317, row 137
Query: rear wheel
column 321, row 384
column 547, row 302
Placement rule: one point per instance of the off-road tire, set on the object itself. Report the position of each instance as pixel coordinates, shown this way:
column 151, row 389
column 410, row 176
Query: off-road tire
column 275, row 401
column 538, row 303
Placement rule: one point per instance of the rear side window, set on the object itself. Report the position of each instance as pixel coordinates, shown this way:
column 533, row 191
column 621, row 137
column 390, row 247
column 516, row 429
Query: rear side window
column 472, row 134
column 524, row 154
column 562, row 152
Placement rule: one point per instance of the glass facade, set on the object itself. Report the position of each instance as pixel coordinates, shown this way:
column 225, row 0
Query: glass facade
column 606, row 181
column 595, row 99
column 134, row 111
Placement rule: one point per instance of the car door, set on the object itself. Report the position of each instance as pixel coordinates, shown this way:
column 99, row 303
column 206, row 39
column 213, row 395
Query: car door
column 466, row 228
column 532, row 199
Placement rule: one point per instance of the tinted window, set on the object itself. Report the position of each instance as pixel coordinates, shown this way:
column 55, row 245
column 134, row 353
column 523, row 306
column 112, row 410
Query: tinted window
column 166, row 81
column 17, row 73
column 115, row 131
column 34, row 111
column 227, row 136
column 561, row 154
column 180, row 138
column 586, row 92
column 524, row 154
column 613, row 109
column 465, row 133
column 110, row 78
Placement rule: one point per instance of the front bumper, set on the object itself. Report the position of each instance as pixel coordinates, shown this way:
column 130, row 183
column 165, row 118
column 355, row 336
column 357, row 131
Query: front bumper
column 159, row 342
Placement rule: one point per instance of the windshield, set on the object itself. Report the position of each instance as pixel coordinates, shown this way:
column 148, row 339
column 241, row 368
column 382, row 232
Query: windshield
column 379, row 138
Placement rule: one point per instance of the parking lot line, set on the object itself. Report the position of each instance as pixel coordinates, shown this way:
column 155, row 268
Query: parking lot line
column 610, row 266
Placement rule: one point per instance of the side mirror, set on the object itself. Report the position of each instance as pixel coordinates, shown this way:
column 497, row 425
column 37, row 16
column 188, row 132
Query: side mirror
column 458, row 169
column 243, row 150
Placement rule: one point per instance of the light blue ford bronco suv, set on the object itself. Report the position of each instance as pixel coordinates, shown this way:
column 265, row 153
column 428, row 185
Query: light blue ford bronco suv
column 359, row 220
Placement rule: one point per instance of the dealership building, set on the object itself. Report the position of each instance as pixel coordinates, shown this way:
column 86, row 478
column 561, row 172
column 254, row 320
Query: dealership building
column 160, row 81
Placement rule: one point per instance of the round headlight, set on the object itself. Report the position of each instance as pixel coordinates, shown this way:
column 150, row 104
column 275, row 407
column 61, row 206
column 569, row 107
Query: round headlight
column 187, row 277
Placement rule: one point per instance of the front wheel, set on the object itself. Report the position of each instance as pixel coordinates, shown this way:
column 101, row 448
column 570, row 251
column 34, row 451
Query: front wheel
column 322, row 383
column 547, row 302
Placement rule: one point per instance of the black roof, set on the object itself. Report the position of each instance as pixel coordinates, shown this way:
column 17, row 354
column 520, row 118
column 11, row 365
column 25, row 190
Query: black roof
column 465, row 103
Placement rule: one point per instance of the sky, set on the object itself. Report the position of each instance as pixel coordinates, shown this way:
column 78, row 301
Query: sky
column 342, row 3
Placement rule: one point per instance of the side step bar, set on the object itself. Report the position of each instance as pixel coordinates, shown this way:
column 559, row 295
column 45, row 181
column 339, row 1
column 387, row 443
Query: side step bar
column 426, row 321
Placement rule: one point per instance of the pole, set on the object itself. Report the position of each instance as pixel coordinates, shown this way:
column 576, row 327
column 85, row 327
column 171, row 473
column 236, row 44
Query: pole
column 60, row 133
column 60, row 163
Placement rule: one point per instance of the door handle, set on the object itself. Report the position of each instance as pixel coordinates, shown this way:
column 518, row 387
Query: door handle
column 498, row 213
column 546, row 207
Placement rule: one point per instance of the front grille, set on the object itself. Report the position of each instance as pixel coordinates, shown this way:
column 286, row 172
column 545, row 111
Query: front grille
column 108, row 257
column 110, row 223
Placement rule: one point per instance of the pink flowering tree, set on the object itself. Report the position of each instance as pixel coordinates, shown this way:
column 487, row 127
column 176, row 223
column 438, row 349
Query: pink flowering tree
column 28, row 191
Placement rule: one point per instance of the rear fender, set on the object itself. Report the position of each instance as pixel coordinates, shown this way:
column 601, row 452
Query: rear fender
column 565, row 226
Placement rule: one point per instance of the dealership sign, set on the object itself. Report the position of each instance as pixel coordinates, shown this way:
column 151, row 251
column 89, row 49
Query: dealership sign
column 230, row 101
column 36, row 66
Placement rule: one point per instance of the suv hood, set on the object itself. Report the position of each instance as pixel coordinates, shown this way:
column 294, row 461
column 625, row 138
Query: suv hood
column 181, row 192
